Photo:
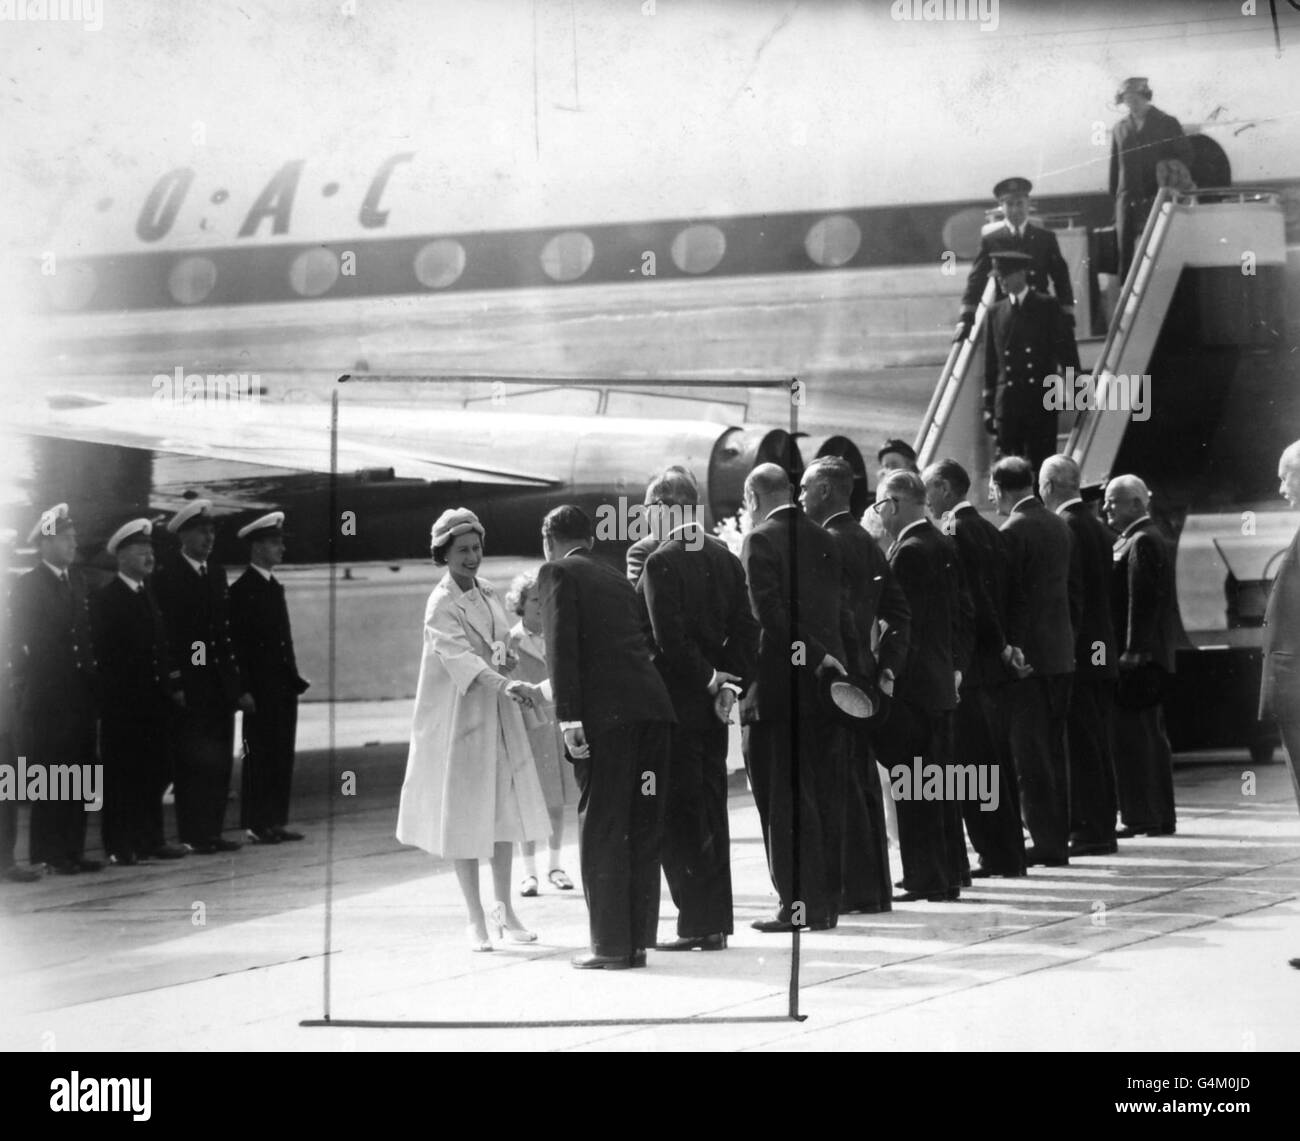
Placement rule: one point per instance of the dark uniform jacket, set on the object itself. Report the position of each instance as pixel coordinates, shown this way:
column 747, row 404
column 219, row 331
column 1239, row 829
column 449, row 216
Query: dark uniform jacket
column 54, row 665
column 982, row 554
column 1025, row 343
column 262, row 639
column 137, row 671
column 1135, row 154
column 1280, row 688
column 925, row 566
column 784, row 545
column 598, row 646
column 1040, row 244
column 196, row 610
column 699, row 611
column 1143, row 594
column 871, row 593
column 1048, row 608
column 1093, row 543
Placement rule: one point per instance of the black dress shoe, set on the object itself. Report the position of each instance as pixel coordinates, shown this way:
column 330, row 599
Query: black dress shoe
column 1034, row 860
column 936, row 897
column 86, row 865
column 124, row 859
column 1093, row 848
column 716, row 942
column 262, row 836
column 17, row 874
column 204, row 848
column 593, row 962
column 983, row 873
column 285, row 834
column 1127, row 833
column 64, row 867
column 1295, row 963
column 169, row 852
column 773, row 926
column 966, row 879
column 865, row 909
column 221, row 844
column 1164, row 830
column 637, row 958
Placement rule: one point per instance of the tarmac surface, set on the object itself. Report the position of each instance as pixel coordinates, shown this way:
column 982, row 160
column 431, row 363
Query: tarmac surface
column 1175, row 943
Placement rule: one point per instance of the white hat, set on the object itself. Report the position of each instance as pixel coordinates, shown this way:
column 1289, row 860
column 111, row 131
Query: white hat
column 129, row 532
column 51, row 522
column 197, row 511
column 452, row 522
column 269, row 523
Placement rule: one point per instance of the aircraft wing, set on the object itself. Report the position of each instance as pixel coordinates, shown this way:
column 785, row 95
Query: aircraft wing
column 290, row 437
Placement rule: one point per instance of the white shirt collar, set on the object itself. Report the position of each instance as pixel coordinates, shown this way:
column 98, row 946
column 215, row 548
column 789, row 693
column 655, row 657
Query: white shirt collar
column 911, row 526
column 57, row 572
column 1016, row 231
column 266, row 574
column 1135, row 525
column 835, row 516
column 1022, row 502
column 783, row 507
column 135, row 587
column 579, row 547
column 681, row 527
column 198, row 566
column 1069, row 503
column 963, row 503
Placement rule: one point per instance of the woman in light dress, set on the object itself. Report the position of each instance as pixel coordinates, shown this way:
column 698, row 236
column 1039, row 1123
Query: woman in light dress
column 558, row 784
column 471, row 790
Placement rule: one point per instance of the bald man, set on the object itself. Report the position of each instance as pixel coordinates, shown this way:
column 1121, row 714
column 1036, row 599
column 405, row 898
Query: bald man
column 1279, row 696
column 1092, row 693
column 794, row 575
column 1146, row 634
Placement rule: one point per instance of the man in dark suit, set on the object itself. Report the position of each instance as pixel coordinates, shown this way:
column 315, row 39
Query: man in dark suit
column 640, row 550
column 1046, row 265
column 54, row 677
column 1028, row 340
column 795, row 581
column 1092, row 693
column 1279, row 691
column 980, row 724
column 269, row 682
column 871, row 595
column 706, row 641
column 919, row 727
column 1143, row 598
column 1041, row 553
column 141, row 688
column 616, row 717
column 1139, row 143
column 191, row 591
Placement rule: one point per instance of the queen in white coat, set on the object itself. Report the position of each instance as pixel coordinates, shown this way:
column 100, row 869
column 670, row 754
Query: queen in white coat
column 471, row 789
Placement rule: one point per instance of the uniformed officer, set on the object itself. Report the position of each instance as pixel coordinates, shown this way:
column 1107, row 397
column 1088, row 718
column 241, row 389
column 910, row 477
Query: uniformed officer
column 1046, row 265
column 141, row 692
column 1028, row 340
column 269, row 680
column 192, row 593
column 54, row 684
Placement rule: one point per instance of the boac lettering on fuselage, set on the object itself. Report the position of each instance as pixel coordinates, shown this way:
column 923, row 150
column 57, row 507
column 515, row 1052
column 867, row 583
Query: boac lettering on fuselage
column 274, row 204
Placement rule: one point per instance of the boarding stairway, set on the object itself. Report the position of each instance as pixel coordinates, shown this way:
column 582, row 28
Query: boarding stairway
column 1232, row 229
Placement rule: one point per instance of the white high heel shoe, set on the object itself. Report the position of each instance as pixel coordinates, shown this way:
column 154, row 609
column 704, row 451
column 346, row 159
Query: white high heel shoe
column 475, row 942
column 497, row 918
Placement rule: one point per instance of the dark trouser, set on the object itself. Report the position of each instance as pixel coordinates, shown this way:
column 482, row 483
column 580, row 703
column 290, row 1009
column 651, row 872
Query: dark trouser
column 58, row 736
column 1290, row 731
column 1130, row 220
column 929, row 829
column 137, row 770
column 269, row 736
column 204, row 741
column 697, row 832
column 8, row 807
column 864, row 864
column 1032, row 436
column 620, row 829
column 809, row 873
column 1144, row 769
column 1092, row 770
column 1038, row 715
column 980, row 730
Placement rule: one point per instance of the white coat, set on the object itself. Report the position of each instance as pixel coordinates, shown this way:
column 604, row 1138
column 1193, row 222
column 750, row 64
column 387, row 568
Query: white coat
column 468, row 741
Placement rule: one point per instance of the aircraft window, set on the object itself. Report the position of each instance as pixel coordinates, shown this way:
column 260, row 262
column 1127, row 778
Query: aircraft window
column 314, row 272
column 439, row 263
column 191, row 280
column 833, row 241
column 567, row 256
column 698, row 249
column 72, row 286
